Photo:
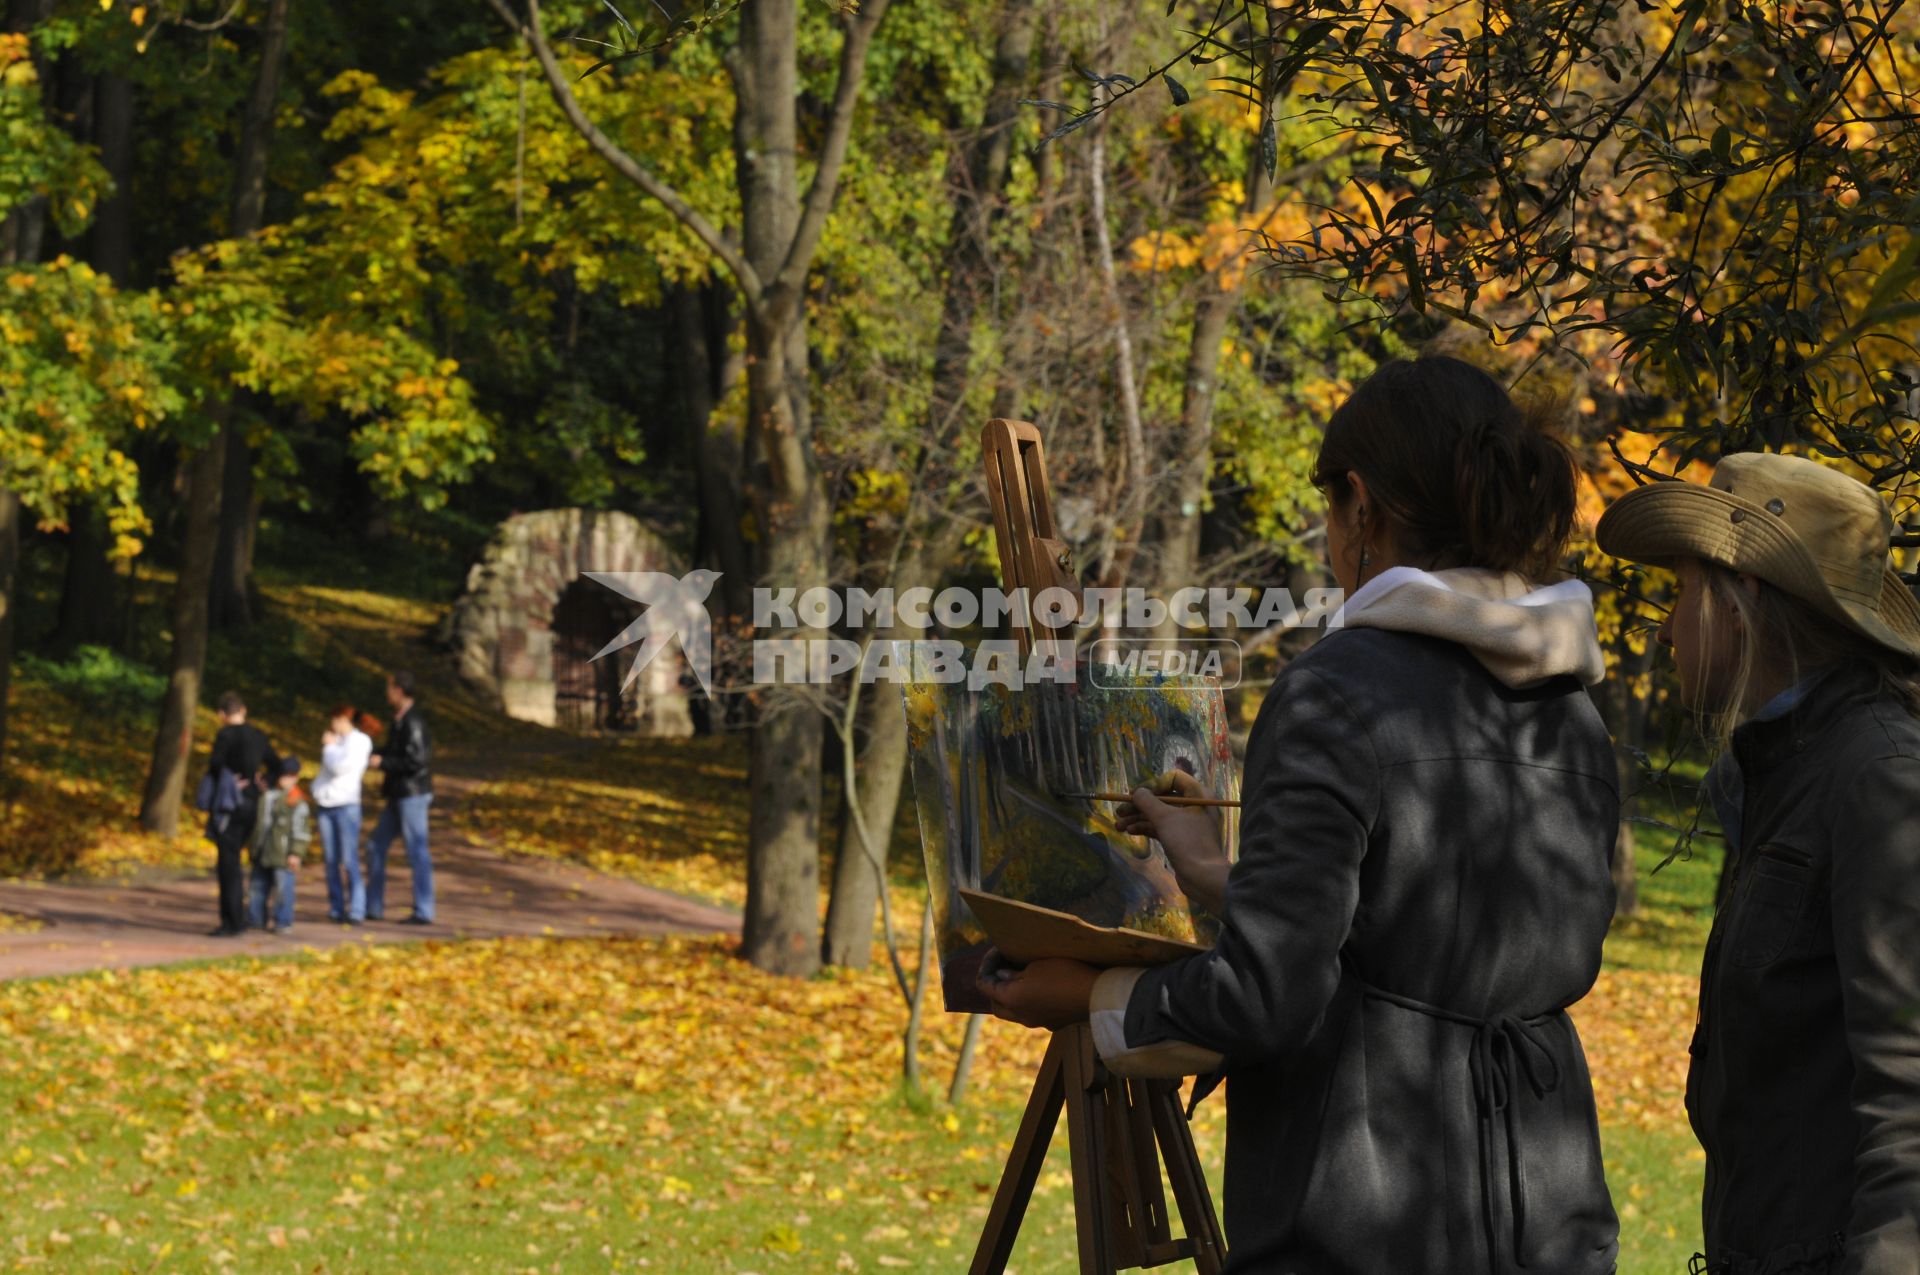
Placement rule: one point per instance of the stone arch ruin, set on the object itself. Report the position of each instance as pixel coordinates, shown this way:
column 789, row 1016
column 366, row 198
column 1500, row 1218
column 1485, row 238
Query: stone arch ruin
column 529, row 622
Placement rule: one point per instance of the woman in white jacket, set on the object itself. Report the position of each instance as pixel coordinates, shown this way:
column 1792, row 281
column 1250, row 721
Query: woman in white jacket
column 344, row 750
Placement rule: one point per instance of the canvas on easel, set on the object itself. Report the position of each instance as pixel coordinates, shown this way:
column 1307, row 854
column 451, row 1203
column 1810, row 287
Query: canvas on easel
column 987, row 766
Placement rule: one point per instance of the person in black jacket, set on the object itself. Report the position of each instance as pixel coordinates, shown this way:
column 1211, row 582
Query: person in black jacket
column 405, row 763
column 1421, row 890
column 244, row 751
column 1794, row 637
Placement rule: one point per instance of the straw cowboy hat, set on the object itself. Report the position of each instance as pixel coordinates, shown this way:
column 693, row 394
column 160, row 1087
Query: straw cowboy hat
column 1800, row 526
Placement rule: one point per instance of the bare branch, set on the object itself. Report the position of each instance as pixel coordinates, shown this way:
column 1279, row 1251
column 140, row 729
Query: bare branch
column 833, row 151
column 233, row 11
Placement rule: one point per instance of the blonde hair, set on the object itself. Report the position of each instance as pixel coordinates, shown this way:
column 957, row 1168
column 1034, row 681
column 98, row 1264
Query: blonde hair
column 1780, row 632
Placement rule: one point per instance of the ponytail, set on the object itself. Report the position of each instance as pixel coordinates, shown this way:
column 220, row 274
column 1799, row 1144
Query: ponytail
column 1516, row 488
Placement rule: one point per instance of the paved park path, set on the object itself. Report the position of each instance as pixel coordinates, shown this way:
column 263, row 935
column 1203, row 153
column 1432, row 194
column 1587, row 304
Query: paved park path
column 477, row 894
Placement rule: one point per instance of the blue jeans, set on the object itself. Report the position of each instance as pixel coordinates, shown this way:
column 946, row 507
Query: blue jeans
column 280, row 881
column 340, row 860
column 404, row 817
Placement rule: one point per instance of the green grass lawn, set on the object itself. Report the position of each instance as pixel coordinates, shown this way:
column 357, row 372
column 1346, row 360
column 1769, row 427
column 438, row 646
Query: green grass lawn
column 540, row 1105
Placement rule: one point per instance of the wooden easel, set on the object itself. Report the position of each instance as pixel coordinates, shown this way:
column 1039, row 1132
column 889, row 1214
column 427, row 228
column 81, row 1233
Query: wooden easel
column 1117, row 1129
column 1032, row 555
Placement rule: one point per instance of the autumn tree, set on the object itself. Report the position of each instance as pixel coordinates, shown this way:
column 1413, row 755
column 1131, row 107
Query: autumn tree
column 769, row 262
column 203, row 468
column 918, row 536
column 61, row 329
column 83, row 370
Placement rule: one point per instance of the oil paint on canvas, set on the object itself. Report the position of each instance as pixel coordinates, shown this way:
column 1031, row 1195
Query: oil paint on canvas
column 988, row 768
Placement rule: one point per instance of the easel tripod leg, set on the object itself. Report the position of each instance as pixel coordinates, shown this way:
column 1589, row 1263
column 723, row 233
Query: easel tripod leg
column 1024, row 1161
column 1090, row 1141
column 1189, row 1182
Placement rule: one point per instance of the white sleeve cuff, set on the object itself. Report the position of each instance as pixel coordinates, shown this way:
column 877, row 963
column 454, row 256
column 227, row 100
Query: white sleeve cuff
column 1108, row 1016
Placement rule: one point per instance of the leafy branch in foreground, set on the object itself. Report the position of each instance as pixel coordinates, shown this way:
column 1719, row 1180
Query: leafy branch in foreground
column 653, row 35
column 1719, row 196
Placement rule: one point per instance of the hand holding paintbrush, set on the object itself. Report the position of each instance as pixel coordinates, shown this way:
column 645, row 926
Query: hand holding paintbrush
column 1175, row 811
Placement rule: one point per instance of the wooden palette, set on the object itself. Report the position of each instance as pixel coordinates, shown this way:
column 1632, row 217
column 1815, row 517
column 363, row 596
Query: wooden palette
column 1024, row 932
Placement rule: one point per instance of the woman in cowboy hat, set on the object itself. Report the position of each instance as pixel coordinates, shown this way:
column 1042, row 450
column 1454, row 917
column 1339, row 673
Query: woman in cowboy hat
column 1797, row 642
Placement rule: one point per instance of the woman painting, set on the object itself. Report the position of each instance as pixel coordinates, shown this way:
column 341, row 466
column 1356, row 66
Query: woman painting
column 344, row 752
column 1798, row 645
column 1421, row 888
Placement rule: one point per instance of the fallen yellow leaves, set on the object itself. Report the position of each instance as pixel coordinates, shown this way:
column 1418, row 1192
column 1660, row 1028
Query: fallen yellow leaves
column 662, row 1086
column 606, row 809
column 1636, row 1026
column 677, row 1079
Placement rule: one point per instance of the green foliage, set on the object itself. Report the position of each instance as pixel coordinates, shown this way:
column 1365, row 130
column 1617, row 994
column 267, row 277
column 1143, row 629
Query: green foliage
column 38, row 160
column 83, row 368
column 254, row 315
column 1280, row 379
column 99, row 679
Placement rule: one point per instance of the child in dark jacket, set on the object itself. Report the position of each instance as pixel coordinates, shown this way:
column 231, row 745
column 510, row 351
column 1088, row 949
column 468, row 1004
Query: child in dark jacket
column 280, row 837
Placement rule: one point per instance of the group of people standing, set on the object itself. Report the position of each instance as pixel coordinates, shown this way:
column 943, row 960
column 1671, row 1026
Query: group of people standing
column 261, row 821
column 1421, row 887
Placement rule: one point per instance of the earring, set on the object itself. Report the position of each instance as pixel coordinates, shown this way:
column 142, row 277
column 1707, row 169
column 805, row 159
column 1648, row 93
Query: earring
column 1366, row 559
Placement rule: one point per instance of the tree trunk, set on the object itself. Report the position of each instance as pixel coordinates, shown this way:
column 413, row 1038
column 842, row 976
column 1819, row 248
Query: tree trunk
column 978, row 175
column 1629, row 740
column 881, row 766
column 9, row 575
column 88, row 613
column 1122, row 540
column 205, row 469
column 1212, row 312
column 229, row 603
column 979, row 186
column 89, row 609
column 173, row 745
column 781, row 928
column 770, row 262
column 916, row 1007
column 706, row 373
column 256, row 127
column 1624, row 711
column 110, row 240
column 963, row 1065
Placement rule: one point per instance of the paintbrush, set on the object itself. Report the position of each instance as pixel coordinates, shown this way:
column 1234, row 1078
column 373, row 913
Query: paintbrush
column 1170, row 800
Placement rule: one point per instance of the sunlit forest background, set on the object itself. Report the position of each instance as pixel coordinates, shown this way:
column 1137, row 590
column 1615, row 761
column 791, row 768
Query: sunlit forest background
column 303, row 301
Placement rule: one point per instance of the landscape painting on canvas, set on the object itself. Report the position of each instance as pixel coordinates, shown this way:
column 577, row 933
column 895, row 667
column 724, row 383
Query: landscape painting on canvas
column 989, row 766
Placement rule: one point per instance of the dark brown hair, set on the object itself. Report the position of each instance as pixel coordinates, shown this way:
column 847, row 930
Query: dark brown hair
column 230, row 702
column 1464, row 475
column 342, row 710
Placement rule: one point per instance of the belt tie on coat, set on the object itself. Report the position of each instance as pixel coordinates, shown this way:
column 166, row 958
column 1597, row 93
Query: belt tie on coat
column 1506, row 1051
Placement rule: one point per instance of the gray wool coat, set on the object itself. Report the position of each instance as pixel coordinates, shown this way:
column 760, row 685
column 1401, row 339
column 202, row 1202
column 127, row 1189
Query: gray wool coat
column 1422, row 889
